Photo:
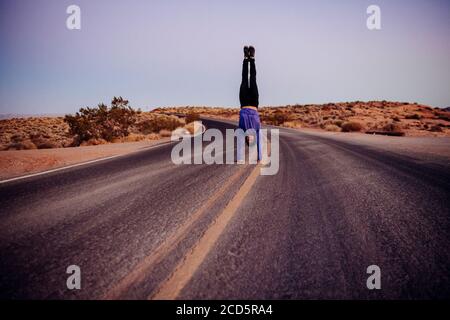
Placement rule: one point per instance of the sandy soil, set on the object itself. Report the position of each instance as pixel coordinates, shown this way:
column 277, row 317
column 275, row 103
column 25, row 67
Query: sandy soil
column 410, row 119
column 14, row 163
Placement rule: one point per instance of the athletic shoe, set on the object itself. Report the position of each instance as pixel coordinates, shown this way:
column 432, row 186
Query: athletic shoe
column 246, row 53
column 251, row 52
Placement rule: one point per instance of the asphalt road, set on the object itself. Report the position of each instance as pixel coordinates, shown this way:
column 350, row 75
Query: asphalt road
column 309, row 232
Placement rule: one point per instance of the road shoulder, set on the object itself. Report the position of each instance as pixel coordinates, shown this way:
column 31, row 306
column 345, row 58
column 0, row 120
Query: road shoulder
column 17, row 163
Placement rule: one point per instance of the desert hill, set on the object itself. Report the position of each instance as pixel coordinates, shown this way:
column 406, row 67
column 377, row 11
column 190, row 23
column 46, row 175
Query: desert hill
column 404, row 118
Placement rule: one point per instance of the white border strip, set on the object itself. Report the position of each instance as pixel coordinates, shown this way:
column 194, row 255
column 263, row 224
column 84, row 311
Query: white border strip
column 82, row 163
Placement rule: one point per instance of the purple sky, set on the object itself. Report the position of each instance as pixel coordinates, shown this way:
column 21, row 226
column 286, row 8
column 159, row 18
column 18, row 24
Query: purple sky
column 165, row 53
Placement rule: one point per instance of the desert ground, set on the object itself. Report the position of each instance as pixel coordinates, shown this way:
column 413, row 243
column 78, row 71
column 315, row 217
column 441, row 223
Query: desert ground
column 33, row 144
column 394, row 118
column 53, row 132
column 16, row 163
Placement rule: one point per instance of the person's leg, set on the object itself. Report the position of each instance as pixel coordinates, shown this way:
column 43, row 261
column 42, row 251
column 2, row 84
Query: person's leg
column 253, row 90
column 244, row 89
column 240, row 146
column 259, row 142
column 254, row 95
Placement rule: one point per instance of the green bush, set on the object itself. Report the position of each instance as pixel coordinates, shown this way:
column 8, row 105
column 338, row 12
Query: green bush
column 102, row 122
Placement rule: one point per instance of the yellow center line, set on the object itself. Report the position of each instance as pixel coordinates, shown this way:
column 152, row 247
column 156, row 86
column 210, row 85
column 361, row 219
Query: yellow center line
column 172, row 286
column 142, row 268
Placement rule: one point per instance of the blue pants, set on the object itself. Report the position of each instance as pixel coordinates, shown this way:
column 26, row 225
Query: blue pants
column 249, row 119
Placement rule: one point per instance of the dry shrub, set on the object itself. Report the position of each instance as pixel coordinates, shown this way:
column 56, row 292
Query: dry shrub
column 443, row 116
column 332, row 127
column 22, row 145
column 351, row 126
column 41, row 142
column 133, row 137
column 392, row 127
column 165, row 133
column 46, row 145
column 17, row 138
column 292, row 124
column 338, row 123
column 152, row 136
column 159, row 122
column 192, row 116
column 102, row 122
column 93, row 142
column 436, row 129
column 45, row 132
column 414, row 116
column 275, row 119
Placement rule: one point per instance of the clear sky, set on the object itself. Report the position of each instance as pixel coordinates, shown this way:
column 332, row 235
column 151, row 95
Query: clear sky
column 171, row 53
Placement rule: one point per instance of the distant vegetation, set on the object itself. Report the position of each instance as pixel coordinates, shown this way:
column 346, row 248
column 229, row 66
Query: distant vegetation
column 102, row 122
column 276, row 119
column 156, row 124
column 121, row 123
column 351, row 126
column 192, row 116
column 118, row 123
column 392, row 118
column 89, row 126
